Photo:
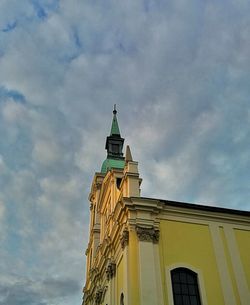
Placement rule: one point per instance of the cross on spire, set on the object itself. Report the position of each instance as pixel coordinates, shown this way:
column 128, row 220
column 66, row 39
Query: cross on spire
column 114, row 127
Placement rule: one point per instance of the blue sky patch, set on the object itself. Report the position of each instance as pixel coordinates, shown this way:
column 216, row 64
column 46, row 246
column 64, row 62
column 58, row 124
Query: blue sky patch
column 77, row 38
column 9, row 27
column 16, row 95
column 39, row 9
column 43, row 8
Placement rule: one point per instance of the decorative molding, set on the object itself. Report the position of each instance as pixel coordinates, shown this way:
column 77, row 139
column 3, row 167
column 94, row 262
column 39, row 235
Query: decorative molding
column 92, row 273
column 85, row 295
column 124, row 238
column 100, row 294
column 110, row 270
column 148, row 234
column 91, row 206
column 97, row 187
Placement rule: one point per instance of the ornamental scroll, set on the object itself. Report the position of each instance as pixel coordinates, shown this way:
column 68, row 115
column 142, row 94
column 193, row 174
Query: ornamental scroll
column 110, row 270
column 124, row 238
column 100, row 294
column 148, row 234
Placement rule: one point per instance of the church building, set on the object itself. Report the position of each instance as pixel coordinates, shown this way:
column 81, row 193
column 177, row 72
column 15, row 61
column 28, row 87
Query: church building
column 147, row 251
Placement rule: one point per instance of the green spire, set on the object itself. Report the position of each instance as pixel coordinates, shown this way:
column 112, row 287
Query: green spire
column 114, row 145
column 114, row 128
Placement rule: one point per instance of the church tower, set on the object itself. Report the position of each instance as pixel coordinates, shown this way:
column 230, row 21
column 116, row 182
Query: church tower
column 146, row 251
column 106, row 274
column 114, row 146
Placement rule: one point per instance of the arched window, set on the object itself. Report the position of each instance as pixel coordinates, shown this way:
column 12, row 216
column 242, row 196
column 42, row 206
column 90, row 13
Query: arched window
column 185, row 287
column 122, row 299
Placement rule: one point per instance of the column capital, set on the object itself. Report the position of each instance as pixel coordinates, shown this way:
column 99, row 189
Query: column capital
column 148, row 234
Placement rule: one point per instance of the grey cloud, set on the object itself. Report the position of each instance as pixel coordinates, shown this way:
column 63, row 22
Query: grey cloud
column 179, row 74
column 60, row 287
column 37, row 292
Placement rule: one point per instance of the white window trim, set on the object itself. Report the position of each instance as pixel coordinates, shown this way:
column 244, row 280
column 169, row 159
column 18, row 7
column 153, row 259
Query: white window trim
column 200, row 281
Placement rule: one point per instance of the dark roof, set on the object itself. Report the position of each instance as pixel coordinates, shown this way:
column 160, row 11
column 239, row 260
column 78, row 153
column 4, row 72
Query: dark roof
column 198, row 206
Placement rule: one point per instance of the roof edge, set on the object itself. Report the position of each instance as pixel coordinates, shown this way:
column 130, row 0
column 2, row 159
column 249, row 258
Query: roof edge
column 196, row 206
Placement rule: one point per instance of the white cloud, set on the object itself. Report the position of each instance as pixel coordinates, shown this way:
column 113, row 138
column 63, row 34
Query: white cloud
column 14, row 112
column 46, row 152
column 180, row 75
column 62, row 191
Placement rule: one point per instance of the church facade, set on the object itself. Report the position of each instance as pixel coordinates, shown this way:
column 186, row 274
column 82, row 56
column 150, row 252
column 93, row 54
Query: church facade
column 145, row 251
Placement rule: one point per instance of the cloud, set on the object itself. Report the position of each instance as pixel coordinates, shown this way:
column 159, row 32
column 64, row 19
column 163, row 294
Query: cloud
column 2, row 220
column 2, row 209
column 10, row 27
column 12, row 111
column 46, row 152
column 179, row 74
column 40, row 292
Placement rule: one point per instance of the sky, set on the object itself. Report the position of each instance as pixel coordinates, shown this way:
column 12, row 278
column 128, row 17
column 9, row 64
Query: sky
column 179, row 72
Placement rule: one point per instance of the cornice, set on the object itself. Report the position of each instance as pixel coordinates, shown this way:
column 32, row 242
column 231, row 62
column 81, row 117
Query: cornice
column 203, row 212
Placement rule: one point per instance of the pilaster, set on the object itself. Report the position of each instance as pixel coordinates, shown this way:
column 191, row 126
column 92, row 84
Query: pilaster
column 148, row 266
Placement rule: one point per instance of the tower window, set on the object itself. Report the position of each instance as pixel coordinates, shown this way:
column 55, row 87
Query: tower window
column 185, row 287
column 115, row 148
column 122, row 299
column 118, row 182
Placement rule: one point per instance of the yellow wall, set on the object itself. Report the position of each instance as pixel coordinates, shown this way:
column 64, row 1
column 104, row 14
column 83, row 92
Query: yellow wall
column 133, row 269
column 133, row 273
column 243, row 241
column 190, row 244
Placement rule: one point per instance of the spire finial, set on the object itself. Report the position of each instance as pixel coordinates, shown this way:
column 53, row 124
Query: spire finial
column 115, row 128
column 128, row 156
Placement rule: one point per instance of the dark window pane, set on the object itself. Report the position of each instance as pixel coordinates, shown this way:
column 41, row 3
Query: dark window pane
column 183, row 277
column 196, row 289
column 177, row 289
column 184, row 289
column 176, row 277
column 185, row 299
column 190, row 279
column 193, row 300
column 115, row 148
column 178, row 300
column 192, row 290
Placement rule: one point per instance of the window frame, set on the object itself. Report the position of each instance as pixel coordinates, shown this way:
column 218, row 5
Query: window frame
column 185, row 285
column 200, row 282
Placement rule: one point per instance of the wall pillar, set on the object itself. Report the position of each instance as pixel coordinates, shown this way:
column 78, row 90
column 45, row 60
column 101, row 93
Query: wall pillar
column 150, row 278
